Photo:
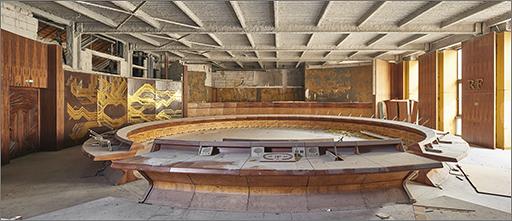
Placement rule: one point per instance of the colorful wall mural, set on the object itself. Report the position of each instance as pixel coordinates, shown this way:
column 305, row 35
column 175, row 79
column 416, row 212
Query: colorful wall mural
column 96, row 101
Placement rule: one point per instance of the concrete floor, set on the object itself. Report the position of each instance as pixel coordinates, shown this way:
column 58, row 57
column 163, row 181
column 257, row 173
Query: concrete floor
column 60, row 185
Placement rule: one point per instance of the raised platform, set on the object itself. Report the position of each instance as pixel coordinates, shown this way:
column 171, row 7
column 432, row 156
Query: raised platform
column 231, row 179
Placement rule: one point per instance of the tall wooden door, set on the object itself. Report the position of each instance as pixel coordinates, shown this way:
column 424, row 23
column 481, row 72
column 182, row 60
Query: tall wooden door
column 24, row 121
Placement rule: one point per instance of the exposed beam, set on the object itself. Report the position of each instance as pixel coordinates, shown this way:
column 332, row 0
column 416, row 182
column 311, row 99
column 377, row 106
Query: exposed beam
column 352, row 54
column 241, row 19
column 146, row 39
column 87, row 12
column 102, row 19
column 137, row 12
column 410, row 40
column 327, row 7
column 380, row 53
column 185, row 9
column 448, row 41
column 238, row 12
column 129, row 13
column 499, row 19
column 375, row 39
column 310, row 40
column 275, row 7
column 216, row 39
column 273, row 49
column 276, row 13
column 366, row 16
column 180, row 39
column 424, row 9
column 177, row 53
column 321, row 18
column 291, row 29
column 340, row 41
column 44, row 14
column 259, row 62
column 252, row 59
column 466, row 14
column 251, row 40
column 236, row 61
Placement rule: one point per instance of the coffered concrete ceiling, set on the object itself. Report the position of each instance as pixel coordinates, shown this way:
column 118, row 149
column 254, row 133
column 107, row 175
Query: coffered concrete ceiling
column 269, row 34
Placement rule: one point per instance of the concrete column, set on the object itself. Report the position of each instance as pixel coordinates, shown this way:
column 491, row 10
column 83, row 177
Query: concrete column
column 73, row 41
column 128, row 57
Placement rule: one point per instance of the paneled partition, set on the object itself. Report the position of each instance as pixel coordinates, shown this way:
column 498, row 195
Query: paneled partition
column 478, row 90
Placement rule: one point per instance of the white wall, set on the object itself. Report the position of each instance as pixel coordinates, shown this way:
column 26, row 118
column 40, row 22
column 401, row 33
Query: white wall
column 18, row 21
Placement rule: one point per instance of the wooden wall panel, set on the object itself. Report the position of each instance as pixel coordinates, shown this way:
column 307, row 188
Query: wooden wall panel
column 397, row 81
column 27, row 62
column 427, row 89
column 478, row 90
column 24, row 121
column 4, row 102
column 52, row 110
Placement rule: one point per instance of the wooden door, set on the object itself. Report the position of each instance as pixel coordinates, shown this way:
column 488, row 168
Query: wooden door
column 24, row 121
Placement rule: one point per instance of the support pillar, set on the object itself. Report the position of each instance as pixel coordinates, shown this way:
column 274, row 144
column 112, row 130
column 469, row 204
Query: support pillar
column 73, row 42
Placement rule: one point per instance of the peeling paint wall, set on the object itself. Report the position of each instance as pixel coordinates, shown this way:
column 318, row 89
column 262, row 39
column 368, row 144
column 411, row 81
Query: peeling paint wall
column 246, row 86
column 347, row 84
column 198, row 92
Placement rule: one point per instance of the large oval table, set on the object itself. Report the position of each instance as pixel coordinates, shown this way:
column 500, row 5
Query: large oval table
column 372, row 172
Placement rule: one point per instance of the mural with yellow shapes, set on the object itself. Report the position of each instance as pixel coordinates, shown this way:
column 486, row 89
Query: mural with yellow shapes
column 80, row 98
column 168, row 100
column 111, row 101
column 141, row 100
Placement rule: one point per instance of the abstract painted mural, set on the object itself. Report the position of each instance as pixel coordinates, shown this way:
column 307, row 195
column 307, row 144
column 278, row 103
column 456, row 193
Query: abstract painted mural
column 141, row 100
column 111, row 97
column 80, row 98
column 103, row 102
column 168, row 99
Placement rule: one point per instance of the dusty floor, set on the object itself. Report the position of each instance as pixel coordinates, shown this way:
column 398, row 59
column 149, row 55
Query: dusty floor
column 40, row 183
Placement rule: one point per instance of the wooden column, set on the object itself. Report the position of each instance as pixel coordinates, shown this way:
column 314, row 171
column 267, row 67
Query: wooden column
column 52, row 107
column 397, row 81
column 503, row 96
column 4, row 102
column 427, row 89
column 478, row 90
